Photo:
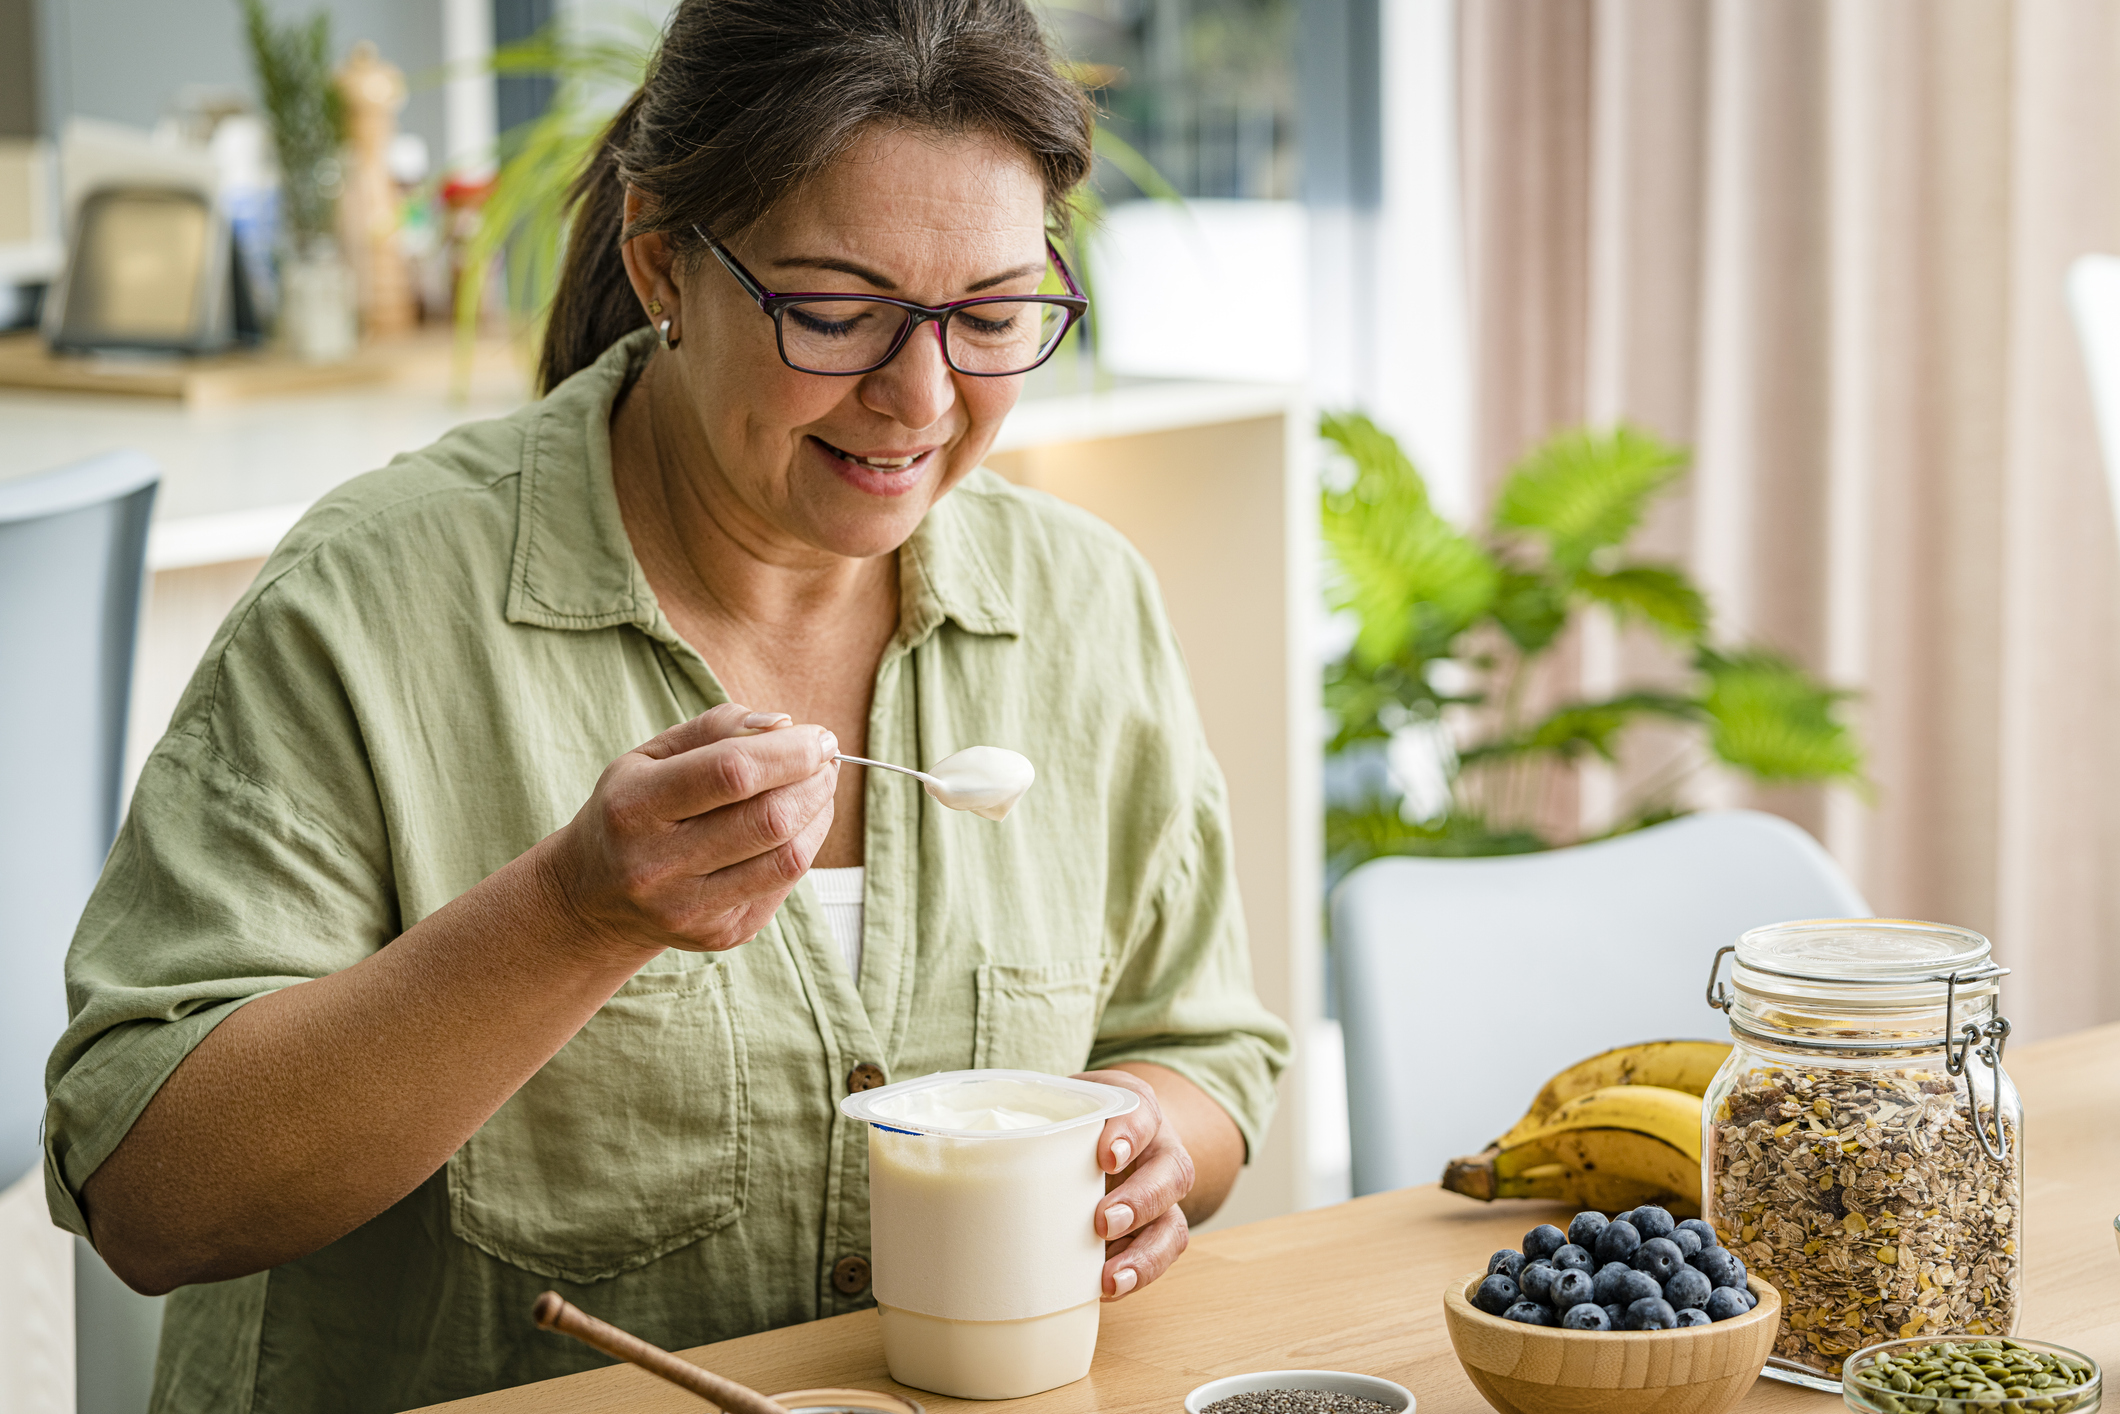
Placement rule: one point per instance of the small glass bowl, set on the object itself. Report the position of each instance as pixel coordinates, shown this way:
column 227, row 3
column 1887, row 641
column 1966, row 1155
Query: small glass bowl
column 2070, row 1399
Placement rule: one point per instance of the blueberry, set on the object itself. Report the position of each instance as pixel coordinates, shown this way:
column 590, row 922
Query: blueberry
column 1651, row 1313
column 1688, row 1242
column 1701, row 1230
column 1660, row 1257
column 1584, row 1229
column 1571, row 1288
column 1497, row 1294
column 1587, row 1317
column 1536, row 1280
column 1720, row 1266
column 1574, row 1258
column 1751, row 1298
column 1608, row 1281
column 1635, row 1286
column 1528, row 1313
column 1618, row 1242
column 1652, row 1221
column 1692, row 1316
column 1617, row 1314
column 1543, row 1241
column 1687, row 1287
column 1725, row 1302
column 1507, row 1260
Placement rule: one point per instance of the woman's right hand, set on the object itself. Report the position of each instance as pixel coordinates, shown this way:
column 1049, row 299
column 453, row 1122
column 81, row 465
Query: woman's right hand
column 692, row 840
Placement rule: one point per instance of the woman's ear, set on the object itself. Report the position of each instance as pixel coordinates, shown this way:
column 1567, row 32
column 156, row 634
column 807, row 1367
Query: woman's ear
column 648, row 268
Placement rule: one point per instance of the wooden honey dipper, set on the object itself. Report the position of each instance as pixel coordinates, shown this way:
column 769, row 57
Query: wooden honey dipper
column 553, row 1313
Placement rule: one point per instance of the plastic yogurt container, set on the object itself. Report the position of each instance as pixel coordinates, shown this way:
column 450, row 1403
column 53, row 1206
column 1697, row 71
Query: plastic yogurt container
column 983, row 1190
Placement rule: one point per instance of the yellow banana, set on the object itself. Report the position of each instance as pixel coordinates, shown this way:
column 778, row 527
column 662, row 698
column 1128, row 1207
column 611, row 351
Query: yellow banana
column 1613, row 1148
column 1603, row 1190
column 1674, row 1065
column 1669, row 1115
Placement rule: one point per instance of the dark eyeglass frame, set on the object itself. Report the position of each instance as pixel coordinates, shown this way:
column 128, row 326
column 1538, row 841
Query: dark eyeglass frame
column 776, row 306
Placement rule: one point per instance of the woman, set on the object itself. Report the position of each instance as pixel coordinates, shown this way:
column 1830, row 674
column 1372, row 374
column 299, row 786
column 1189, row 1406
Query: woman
column 417, row 983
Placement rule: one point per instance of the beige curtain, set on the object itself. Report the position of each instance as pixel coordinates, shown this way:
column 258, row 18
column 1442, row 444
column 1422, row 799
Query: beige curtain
column 1823, row 242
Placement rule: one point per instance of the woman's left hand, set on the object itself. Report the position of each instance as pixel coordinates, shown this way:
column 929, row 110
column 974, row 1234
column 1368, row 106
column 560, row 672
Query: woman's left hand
column 1150, row 1171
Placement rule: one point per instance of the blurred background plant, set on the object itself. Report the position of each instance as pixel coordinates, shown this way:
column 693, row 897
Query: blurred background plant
column 1437, row 747
column 521, row 226
column 298, row 89
column 593, row 62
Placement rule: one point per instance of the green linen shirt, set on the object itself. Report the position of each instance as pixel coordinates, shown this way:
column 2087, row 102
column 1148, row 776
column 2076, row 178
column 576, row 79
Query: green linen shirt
column 428, row 677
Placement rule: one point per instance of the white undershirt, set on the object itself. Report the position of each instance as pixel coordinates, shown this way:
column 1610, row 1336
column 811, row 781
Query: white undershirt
column 839, row 890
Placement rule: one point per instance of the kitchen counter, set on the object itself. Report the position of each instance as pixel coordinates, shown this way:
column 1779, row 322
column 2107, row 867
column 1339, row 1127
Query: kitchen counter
column 1359, row 1286
column 237, row 475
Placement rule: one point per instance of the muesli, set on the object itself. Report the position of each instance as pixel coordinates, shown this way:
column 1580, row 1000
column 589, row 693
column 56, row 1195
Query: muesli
column 1865, row 1198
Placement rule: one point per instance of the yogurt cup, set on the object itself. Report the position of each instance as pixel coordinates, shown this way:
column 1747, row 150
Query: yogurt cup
column 983, row 1191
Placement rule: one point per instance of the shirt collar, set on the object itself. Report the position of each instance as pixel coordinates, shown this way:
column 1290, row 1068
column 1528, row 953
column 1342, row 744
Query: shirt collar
column 574, row 567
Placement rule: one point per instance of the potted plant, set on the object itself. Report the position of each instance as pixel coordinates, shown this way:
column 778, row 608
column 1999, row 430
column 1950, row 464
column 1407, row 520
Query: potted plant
column 319, row 307
column 1441, row 742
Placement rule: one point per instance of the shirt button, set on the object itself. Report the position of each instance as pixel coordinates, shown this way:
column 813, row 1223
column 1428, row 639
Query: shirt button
column 864, row 1077
column 850, row 1275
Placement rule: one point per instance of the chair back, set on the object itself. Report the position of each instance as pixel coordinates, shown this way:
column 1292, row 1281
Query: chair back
column 73, row 550
column 73, row 545
column 1464, row 984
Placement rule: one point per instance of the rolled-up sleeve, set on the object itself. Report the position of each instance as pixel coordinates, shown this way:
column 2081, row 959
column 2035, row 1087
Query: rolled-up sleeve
column 218, row 890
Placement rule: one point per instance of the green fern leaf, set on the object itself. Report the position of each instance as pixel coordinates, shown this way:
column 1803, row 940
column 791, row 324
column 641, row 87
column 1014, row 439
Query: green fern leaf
column 1581, row 492
column 1404, row 571
column 1773, row 720
column 1660, row 595
column 1373, row 829
column 1531, row 609
column 1578, row 727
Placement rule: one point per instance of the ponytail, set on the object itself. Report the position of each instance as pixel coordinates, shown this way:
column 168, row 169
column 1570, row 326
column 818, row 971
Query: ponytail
column 595, row 305
column 746, row 99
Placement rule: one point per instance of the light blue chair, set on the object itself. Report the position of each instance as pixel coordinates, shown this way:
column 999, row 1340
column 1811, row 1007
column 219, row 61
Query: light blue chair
column 73, row 547
column 1463, row 984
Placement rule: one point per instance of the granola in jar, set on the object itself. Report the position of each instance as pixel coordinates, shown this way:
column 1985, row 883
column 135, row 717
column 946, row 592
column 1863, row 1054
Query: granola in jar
column 1861, row 1146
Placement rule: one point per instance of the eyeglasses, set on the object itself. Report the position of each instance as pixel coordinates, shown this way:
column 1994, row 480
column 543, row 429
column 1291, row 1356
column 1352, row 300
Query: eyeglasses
column 992, row 336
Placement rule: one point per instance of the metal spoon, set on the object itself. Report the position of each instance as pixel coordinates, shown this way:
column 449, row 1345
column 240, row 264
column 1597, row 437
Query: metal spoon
column 906, row 770
column 985, row 780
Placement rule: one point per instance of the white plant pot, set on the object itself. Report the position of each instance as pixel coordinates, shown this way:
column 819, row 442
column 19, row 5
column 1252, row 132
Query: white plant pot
column 319, row 309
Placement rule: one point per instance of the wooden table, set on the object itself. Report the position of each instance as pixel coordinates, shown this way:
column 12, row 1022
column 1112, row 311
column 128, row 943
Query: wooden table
column 1359, row 1287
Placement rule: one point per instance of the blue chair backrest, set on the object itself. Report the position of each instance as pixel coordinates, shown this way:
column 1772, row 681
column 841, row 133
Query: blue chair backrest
column 1464, row 984
column 73, row 546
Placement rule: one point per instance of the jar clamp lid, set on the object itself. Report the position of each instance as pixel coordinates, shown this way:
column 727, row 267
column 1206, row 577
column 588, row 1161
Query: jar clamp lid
column 1874, row 965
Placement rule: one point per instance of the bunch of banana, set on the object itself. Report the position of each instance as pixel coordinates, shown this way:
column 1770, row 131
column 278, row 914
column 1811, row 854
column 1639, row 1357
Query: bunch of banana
column 1612, row 1132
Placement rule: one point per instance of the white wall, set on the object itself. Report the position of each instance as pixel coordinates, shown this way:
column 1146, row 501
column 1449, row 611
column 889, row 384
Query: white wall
column 126, row 59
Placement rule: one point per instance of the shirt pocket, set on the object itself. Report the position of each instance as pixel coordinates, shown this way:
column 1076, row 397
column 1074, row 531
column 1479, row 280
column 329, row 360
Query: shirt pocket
column 1041, row 1018
column 630, row 1143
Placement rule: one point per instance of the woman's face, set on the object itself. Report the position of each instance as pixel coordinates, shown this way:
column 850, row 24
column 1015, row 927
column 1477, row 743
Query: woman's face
column 912, row 215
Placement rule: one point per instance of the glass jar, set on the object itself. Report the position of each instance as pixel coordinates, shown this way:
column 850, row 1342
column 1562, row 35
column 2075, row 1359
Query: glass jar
column 1861, row 1149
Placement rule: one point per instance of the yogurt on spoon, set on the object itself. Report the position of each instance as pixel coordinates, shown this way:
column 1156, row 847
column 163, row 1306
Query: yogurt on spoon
column 986, row 780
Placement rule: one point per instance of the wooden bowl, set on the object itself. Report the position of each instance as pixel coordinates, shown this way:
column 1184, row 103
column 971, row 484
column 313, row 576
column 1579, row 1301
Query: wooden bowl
column 1544, row 1370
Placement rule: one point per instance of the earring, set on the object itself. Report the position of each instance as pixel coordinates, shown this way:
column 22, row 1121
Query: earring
column 662, row 332
column 654, row 307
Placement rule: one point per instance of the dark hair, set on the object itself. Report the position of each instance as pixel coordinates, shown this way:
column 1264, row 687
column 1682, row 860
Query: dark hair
column 747, row 98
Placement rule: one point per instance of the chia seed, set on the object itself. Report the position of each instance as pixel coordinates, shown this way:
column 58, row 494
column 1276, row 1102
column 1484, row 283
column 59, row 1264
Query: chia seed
column 1295, row 1401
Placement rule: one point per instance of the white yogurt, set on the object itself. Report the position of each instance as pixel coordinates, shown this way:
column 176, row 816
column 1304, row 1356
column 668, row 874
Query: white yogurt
column 986, row 780
column 986, row 1105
